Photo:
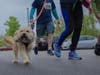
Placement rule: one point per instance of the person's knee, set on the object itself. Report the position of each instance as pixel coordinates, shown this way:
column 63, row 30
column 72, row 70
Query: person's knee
column 78, row 28
column 50, row 37
column 66, row 31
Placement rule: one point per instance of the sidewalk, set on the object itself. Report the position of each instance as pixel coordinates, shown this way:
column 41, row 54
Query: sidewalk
column 44, row 64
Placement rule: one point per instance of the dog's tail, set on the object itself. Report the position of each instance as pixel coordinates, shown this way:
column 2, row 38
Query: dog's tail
column 9, row 40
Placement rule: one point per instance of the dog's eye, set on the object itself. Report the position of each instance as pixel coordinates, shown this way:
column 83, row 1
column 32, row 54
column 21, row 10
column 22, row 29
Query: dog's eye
column 21, row 31
column 27, row 31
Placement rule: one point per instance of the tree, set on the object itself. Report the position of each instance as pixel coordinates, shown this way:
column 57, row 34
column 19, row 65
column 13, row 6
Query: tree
column 89, row 26
column 13, row 25
column 2, row 43
column 1, row 37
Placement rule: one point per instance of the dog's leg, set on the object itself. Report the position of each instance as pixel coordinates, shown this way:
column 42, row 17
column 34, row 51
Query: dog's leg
column 28, row 54
column 15, row 50
column 24, row 55
column 29, row 49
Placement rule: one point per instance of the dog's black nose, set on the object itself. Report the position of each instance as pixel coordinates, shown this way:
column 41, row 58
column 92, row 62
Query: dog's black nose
column 24, row 34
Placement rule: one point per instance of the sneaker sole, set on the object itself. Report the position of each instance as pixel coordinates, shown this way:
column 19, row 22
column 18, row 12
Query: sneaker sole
column 70, row 58
column 51, row 54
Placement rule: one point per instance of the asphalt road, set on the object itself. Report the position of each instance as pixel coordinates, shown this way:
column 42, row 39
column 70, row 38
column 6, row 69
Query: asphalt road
column 44, row 64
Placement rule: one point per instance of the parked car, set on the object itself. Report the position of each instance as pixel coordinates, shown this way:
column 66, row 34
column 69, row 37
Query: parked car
column 83, row 43
column 6, row 48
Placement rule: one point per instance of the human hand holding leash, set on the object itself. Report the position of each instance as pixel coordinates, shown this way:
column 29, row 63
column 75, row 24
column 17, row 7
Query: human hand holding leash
column 31, row 23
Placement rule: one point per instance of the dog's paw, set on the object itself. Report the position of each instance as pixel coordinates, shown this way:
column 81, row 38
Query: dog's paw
column 27, row 62
column 15, row 61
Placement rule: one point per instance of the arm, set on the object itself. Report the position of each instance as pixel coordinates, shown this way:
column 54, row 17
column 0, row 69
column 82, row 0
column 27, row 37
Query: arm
column 56, row 16
column 87, row 4
column 54, row 12
column 32, row 13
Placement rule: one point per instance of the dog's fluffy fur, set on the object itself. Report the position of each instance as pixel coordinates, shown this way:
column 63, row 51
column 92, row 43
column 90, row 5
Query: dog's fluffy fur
column 22, row 41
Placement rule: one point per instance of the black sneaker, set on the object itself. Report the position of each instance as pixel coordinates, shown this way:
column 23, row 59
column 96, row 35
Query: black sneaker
column 50, row 52
column 36, row 50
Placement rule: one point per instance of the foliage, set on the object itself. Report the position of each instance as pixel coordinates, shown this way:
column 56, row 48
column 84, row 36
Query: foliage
column 13, row 25
column 2, row 43
column 1, row 37
column 89, row 26
column 59, row 28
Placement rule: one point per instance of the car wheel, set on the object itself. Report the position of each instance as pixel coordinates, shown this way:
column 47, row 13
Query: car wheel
column 97, row 50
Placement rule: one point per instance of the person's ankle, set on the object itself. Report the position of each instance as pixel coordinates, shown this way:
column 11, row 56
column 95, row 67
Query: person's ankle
column 49, row 48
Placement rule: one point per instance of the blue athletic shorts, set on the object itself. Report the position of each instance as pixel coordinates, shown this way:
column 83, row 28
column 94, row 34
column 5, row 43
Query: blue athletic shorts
column 44, row 29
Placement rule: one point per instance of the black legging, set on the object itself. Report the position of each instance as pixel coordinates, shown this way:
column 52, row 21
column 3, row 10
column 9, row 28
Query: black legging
column 73, row 23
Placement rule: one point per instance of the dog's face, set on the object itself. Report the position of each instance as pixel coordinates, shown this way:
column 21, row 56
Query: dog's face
column 24, row 35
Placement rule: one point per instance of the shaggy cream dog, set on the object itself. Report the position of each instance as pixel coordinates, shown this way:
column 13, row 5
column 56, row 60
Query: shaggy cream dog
column 22, row 41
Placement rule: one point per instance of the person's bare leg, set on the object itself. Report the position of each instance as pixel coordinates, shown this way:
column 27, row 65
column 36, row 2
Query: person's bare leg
column 36, row 45
column 50, row 36
column 37, row 41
